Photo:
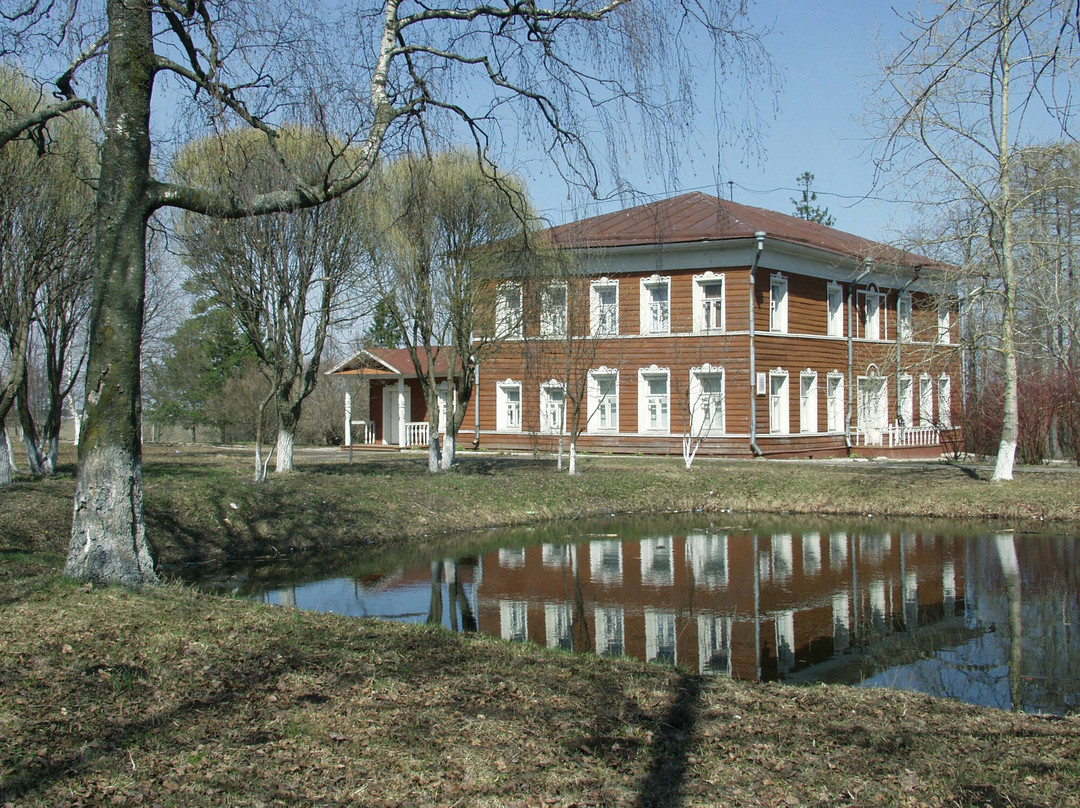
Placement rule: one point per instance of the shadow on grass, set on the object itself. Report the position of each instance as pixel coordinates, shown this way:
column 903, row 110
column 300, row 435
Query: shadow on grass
column 672, row 742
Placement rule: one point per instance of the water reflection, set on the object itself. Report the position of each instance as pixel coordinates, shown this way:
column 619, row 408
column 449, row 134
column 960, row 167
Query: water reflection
column 990, row 619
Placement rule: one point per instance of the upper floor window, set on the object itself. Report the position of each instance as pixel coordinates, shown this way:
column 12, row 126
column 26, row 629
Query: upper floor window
column 709, row 302
column 508, row 406
column 871, row 313
column 655, row 305
column 508, row 311
column 604, row 307
column 553, row 311
column 903, row 317
column 778, row 307
column 835, row 322
column 944, row 323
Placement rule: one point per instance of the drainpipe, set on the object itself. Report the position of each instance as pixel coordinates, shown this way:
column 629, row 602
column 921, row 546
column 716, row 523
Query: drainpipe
column 868, row 264
column 476, row 405
column 899, row 294
column 760, row 236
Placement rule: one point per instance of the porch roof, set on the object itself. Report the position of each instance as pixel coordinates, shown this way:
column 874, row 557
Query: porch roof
column 388, row 363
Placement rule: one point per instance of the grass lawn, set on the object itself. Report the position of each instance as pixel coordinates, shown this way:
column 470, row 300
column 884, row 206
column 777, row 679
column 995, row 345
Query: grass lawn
column 172, row 697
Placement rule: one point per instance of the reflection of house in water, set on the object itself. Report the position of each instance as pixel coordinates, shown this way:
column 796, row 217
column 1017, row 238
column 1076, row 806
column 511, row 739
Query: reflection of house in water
column 754, row 607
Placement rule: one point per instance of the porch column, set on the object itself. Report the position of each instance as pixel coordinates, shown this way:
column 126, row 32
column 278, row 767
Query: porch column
column 348, row 419
column 402, row 423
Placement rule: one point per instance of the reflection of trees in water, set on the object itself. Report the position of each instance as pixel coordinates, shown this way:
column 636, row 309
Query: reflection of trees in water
column 457, row 597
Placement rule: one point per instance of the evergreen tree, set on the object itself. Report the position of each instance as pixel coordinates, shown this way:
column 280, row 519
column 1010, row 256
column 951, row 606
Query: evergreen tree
column 805, row 207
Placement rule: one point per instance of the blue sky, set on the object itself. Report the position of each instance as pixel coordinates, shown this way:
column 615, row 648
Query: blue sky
column 827, row 53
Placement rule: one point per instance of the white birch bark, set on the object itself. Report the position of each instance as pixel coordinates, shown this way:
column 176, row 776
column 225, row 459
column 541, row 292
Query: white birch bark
column 286, row 440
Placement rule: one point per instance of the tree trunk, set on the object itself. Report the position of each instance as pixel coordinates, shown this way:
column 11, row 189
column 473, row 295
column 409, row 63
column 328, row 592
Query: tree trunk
column 12, row 468
column 433, row 455
column 572, row 468
column 5, row 459
column 108, row 540
column 286, row 439
column 449, row 451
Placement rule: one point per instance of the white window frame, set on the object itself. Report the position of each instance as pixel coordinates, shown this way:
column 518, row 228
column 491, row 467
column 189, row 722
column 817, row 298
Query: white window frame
column 834, row 401
column 944, row 401
column 549, row 426
column 553, row 302
column 944, row 323
column 778, row 303
column 926, row 400
column 603, row 410
column 905, row 398
column 871, row 322
column 808, row 401
column 779, row 403
column 707, row 410
column 904, row 321
column 603, row 318
column 504, row 414
column 508, row 318
column 710, row 313
column 655, row 315
column 650, row 402
column 834, row 300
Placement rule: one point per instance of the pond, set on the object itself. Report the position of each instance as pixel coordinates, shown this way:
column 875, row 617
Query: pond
column 989, row 618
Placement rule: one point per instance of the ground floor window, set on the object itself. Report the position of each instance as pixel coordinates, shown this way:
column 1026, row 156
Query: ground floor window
column 834, row 402
column 707, row 401
column 905, row 401
column 779, row 423
column 808, row 420
column 603, row 400
column 944, row 402
column 508, row 406
column 653, row 401
column 552, row 408
column 926, row 401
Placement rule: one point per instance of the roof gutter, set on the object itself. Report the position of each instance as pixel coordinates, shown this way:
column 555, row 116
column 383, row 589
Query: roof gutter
column 760, row 236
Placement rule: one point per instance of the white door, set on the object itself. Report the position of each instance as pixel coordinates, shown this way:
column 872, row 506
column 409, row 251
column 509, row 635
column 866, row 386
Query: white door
column 873, row 408
column 392, row 424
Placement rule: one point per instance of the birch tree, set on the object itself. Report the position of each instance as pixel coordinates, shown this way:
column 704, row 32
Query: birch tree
column 561, row 75
column 442, row 231
column 971, row 88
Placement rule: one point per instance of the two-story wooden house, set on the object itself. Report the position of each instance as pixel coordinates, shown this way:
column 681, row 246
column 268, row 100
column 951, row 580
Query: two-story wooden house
column 742, row 330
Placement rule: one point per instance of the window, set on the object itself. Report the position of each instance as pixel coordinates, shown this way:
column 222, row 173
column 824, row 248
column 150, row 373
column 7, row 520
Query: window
column 552, row 408
column 835, row 297
column 714, row 644
column 778, row 402
column 659, row 636
column 604, row 312
column 905, row 400
column 707, row 400
column 653, row 400
column 808, row 401
column 903, row 317
column 944, row 402
column 514, row 620
column 834, row 402
column 655, row 305
column 605, row 562
column 871, row 313
column 553, row 311
column 709, row 302
column 609, row 631
column 778, row 304
column 508, row 406
column 657, row 562
column 558, row 623
column 944, row 335
column 603, row 400
column 508, row 311
column 707, row 556
column 926, row 401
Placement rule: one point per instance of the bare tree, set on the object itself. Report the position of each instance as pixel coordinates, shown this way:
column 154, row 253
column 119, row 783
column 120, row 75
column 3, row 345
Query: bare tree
column 971, row 88
column 284, row 278
column 443, row 229
column 370, row 73
column 45, row 244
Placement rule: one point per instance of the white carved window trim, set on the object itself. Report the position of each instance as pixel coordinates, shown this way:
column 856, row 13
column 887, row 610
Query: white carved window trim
column 808, row 401
column 778, row 303
column 834, row 401
column 507, row 315
column 707, row 310
column 547, row 402
column 505, row 407
column 606, row 405
column 779, row 402
column 553, row 301
column 603, row 318
column 707, row 407
column 654, row 403
column 834, row 326
column 655, row 315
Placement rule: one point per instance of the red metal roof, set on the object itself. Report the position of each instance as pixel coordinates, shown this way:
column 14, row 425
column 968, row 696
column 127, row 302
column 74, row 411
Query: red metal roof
column 389, row 362
column 696, row 217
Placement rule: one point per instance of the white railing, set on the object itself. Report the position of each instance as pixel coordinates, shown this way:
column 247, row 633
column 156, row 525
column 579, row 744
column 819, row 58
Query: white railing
column 897, row 436
column 360, row 433
column 416, row 433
